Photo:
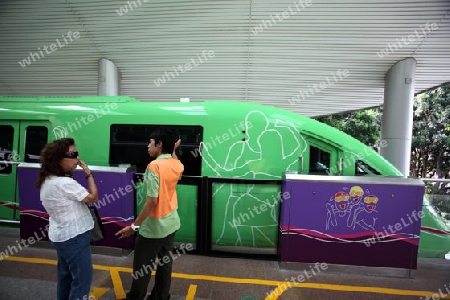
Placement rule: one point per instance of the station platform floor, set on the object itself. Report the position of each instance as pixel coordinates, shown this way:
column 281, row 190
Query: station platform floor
column 30, row 273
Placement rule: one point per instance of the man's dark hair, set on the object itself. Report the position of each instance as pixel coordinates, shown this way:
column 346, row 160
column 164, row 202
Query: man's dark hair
column 166, row 137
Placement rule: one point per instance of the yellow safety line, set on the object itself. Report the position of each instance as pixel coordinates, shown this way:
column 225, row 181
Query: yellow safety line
column 335, row 287
column 117, row 283
column 191, row 292
column 275, row 294
column 32, row 260
column 107, row 268
column 284, row 286
column 332, row 287
column 98, row 292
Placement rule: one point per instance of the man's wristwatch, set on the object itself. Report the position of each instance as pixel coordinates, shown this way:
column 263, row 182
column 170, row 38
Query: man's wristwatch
column 134, row 227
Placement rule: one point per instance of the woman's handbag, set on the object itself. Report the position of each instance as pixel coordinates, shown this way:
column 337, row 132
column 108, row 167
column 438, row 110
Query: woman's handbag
column 98, row 232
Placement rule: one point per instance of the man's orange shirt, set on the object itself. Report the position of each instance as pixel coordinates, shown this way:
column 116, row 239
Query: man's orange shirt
column 160, row 181
column 168, row 170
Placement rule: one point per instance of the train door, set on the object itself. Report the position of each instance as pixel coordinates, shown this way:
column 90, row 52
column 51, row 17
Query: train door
column 9, row 146
column 20, row 141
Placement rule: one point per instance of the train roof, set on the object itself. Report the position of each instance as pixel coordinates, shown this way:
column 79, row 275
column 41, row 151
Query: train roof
column 202, row 113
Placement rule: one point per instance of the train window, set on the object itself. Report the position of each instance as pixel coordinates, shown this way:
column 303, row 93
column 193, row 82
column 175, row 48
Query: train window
column 319, row 161
column 129, row 146
column 35, row 140
column 6, row 143
column 362, row 169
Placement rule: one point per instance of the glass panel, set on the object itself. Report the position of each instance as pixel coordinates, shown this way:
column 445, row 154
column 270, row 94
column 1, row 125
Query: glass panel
column 129, row 146
column 319, row 161
column 438, row 192
column 35, row 139
column 6, row 142
column 245, row 215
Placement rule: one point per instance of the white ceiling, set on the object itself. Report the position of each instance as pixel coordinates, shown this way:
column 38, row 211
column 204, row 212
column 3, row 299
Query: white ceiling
column 300, row 47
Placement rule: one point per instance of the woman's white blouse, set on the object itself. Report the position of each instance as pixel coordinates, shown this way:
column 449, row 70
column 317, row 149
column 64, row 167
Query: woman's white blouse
column 69, row 217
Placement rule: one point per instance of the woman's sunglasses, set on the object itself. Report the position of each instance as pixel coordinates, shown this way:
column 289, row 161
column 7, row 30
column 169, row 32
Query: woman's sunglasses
column 71, row 154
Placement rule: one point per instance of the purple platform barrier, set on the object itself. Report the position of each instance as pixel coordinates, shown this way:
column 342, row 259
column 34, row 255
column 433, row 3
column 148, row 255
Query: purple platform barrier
column 357, row 221
column 116, row 205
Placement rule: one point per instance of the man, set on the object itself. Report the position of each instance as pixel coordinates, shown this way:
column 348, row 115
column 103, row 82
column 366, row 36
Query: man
column 158, row 220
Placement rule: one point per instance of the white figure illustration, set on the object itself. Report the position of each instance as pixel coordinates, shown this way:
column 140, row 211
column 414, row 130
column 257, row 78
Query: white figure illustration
column 337, row 210
column 249, row 159
column 366, row 216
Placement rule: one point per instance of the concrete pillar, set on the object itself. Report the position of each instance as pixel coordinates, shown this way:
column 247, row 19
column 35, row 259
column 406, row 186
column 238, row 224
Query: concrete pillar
column 397, row 120
column 108, row 78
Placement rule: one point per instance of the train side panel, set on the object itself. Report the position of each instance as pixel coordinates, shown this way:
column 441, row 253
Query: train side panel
column 230, row 140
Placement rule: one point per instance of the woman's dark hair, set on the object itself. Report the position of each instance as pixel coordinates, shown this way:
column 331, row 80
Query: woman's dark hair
column 166, row 137
column 51, row 155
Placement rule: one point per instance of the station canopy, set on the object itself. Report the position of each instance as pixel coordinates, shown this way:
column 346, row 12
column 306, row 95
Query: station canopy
column 312, row 57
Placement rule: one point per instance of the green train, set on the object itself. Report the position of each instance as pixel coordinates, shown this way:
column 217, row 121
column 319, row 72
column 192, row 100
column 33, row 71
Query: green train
column 240, row 149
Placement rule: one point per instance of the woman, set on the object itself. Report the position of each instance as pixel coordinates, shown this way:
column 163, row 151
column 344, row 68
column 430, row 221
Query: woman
column 71, row 223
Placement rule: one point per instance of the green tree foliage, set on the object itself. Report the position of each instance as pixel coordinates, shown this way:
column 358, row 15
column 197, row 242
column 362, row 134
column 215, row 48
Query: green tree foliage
column 363, row 125
column 430, row 149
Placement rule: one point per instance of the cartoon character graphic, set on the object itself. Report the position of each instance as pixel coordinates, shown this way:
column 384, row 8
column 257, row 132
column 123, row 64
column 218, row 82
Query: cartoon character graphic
column 337, row 207
column 356, row 194
column 367, row 215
